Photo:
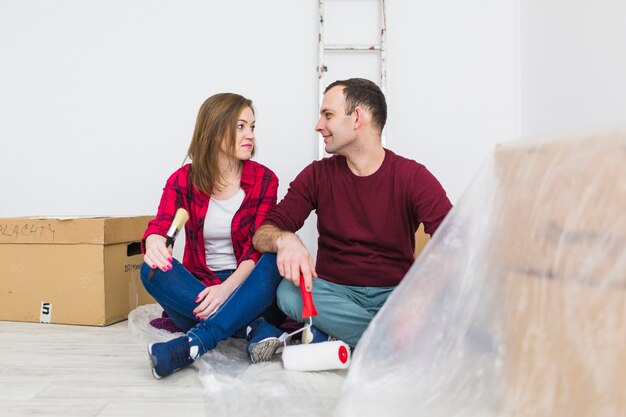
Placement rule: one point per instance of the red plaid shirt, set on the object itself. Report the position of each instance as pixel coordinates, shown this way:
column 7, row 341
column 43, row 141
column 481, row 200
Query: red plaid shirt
column 260, row 185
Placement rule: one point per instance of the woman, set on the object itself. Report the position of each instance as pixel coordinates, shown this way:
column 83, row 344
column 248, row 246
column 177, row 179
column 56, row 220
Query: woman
column 217, row 292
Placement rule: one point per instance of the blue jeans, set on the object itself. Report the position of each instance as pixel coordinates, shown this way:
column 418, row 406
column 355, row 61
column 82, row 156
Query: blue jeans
column 176, row 291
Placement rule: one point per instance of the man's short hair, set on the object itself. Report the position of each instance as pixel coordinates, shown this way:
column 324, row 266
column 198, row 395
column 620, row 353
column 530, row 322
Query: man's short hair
column 362, row 92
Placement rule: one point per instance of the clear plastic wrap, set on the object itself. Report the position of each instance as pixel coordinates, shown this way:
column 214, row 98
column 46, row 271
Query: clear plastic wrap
column 517, row 307
column 235, row 387
column 139, row 324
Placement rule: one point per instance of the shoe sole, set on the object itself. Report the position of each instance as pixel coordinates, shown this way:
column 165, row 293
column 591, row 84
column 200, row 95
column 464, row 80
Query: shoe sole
column 265, row 350
column 152, row 362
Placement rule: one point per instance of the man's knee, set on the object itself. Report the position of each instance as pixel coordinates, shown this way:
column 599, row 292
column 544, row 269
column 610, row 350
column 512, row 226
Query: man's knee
column 289, row 299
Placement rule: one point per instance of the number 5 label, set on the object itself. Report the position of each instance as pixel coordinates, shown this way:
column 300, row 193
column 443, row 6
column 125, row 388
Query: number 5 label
column 46, row 312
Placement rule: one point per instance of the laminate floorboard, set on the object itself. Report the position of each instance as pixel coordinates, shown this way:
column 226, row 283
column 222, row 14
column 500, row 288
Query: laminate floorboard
column 59, row 370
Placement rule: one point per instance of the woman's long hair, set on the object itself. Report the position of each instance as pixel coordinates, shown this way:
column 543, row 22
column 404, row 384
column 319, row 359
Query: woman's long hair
column 217, row 122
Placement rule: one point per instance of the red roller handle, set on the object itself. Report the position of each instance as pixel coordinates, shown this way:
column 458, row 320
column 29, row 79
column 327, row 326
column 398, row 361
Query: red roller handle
column 308, row 308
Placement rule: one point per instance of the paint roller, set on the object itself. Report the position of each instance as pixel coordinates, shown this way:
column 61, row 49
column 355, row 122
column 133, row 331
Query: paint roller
column 307, row 356
column 180, row 218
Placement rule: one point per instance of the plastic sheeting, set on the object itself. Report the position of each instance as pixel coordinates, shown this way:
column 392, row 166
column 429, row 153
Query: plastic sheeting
column 517, row 307
column 235, row 387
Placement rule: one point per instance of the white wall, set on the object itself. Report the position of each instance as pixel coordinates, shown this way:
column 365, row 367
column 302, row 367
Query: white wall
column 452, row 79
column 98, row 99
column 573, row 66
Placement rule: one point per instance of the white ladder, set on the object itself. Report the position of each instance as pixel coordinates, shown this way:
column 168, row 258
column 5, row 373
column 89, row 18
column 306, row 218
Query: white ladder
column 378, row 48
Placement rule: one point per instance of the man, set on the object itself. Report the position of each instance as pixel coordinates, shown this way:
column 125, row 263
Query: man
column 369, row 203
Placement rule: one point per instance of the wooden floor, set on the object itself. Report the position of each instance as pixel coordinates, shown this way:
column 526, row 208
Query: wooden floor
column 56, row 370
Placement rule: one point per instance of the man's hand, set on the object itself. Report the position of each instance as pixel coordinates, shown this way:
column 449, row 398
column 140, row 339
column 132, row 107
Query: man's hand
column 292, row 257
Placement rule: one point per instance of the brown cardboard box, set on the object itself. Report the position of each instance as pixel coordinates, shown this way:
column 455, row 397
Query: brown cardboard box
column 559, row 236
column 421, row 239
column 71, row 270
column 562, row 207
column 565, row 348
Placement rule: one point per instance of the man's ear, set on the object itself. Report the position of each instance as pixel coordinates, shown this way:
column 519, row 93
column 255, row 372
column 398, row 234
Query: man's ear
column 359, row 117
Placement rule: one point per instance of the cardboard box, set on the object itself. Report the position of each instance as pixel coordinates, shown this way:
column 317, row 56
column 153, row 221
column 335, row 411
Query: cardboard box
column 421, row 239
column 564, row 348
column 558, row 238
column 561, row 207
column 71, row 270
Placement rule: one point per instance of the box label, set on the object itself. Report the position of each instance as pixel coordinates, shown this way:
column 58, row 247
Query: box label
column 37, row 231
column 45, row 314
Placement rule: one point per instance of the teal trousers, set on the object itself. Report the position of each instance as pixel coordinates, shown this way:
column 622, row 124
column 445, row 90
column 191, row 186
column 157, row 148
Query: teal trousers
column 344, row 311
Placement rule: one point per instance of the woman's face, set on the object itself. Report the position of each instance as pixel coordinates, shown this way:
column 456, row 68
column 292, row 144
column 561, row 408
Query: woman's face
column 244, row 140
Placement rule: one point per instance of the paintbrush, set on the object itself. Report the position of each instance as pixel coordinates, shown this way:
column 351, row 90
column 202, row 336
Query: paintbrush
column 180, row 218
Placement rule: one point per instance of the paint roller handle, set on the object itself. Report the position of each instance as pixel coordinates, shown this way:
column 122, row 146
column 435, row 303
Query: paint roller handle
column 308, row 308
column 180, row 218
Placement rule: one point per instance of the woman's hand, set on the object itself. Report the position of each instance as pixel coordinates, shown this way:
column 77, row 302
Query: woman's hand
column 157, row 254
column 211, row 298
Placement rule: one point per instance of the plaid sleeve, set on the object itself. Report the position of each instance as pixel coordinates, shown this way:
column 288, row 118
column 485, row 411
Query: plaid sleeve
column 263, row 198
column 170, row 200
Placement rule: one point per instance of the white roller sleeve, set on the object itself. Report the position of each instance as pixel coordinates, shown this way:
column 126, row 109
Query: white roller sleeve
column 322, row 356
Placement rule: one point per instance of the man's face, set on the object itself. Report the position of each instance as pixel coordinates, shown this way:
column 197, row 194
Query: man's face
column 334, row 125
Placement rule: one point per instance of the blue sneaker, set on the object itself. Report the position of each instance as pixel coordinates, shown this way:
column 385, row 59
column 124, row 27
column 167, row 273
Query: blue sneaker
column 169, row 357
column 264, row 340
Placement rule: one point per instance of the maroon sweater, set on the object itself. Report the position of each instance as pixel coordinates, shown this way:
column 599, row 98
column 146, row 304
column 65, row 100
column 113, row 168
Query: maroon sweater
column 366, row 224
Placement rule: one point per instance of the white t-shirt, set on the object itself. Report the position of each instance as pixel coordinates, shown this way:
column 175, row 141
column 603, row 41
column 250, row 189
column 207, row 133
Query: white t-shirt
column 218, row 243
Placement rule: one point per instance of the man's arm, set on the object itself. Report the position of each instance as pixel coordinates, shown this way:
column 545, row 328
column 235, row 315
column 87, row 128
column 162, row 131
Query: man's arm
column 264, row 239
column 430, row 202
column 292, row 257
